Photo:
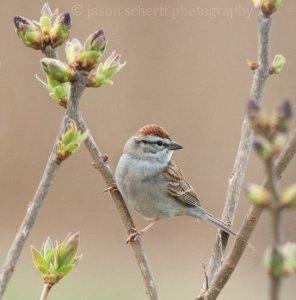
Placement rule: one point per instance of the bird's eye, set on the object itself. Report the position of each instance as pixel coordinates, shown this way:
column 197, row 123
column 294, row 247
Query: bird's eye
column 159, row 143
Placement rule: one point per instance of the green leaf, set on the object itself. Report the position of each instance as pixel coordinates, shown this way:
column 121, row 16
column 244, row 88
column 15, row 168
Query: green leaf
column 68, row 250
column 274, row 262
column 70, row 141
column 107, row 82
column 73, row 48
column 47, row 247
column 72, row 148
column 278, row 64
column 65, row 269
column 52, row 83
column 45, row 23
column 106, row 70
column 258, row 195
column 89, row 59
column 61, row 91
column 57, row 70
column 52, row 268
column 60, row 29
column 37, row 258
column 42, row 269
column 49, row 257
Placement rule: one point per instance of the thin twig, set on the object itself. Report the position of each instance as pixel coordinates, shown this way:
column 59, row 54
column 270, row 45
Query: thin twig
column 237, row 176
column 247, row 228
column 102, row 165
column 46, row 289
column 34, row 207
column 273, row 185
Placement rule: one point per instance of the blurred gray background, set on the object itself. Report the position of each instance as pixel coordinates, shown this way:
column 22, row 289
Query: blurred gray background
column 186, row 71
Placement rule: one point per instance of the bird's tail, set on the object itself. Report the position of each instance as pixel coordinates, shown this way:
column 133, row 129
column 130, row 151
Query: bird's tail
column 207, row 216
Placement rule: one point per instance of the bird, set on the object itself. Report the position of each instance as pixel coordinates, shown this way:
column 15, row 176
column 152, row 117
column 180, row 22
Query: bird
column 153, row 185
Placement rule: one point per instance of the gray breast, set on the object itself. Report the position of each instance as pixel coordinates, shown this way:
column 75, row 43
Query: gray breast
column 146, row 193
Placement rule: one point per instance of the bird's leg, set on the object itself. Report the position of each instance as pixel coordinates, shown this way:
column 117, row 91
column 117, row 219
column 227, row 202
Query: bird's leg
column 111, row 188
column 136, row 232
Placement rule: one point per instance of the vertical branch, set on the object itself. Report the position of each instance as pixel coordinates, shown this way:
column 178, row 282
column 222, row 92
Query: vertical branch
column 247, row 228
column 240, row 165
column 274, row 189
column 273, row 184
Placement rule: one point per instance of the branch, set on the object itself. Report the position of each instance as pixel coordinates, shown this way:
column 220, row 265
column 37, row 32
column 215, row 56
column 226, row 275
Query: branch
column 34, row 207
column 108, row 177
column 247, row 228
column 275, row 281
column 46, row 289
column 237, row 175
column 104, row 169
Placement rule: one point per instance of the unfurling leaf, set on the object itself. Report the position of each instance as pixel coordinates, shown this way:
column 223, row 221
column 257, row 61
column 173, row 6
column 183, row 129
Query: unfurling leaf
column 106, row 71
column 60, row 30
column 57, row 70
column 56, row 262
column 86, row 57
column 278, row 64
column 52, row 29
column 29, row 32
column 59, row 91
column 70, row 141
column 258, row 195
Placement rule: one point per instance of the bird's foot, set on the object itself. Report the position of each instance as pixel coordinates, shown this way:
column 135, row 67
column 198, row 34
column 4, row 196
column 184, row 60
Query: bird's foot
column 136, row 232
column 133, row 236
column 111, row 188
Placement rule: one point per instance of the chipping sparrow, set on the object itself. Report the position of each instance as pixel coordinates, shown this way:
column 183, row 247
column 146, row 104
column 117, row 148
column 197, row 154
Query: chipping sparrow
column 152, row 184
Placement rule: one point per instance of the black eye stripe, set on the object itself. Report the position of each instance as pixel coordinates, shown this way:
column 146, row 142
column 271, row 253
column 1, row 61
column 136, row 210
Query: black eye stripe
column 159, row 143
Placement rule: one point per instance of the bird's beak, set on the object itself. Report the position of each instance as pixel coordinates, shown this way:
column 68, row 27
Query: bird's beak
column 174, row 146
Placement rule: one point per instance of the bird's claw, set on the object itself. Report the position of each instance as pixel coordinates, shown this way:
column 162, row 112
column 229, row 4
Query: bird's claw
column 111, row 188
column 133, row 236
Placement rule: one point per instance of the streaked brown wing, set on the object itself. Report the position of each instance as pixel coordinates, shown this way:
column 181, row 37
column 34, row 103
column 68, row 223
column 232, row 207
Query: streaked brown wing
column 178, row 186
